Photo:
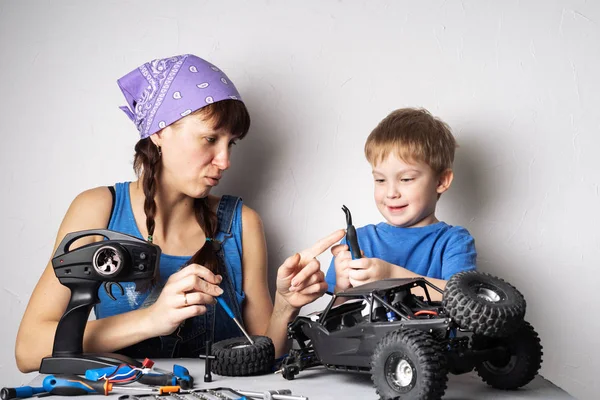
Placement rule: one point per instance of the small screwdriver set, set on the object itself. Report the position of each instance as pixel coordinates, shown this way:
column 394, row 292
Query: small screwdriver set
column 116, row 380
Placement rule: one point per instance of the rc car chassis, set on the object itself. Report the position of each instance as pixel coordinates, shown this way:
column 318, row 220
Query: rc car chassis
column 393, row 330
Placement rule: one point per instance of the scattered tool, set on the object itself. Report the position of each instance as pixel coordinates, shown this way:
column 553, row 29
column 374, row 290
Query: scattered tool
column 154, row 377
column 210, row 338
column 208, row 362
column 76, row 386
column 220, row 392
column 179, row 377
column 20, row 392
column 230, row 313
column 282, row 394
column 351, row 237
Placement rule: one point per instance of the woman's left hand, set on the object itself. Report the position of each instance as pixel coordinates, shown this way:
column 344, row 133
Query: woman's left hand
column 300, row 280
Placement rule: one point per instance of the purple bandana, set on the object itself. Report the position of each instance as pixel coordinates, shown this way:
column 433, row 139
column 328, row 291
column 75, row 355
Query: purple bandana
column 163, row 91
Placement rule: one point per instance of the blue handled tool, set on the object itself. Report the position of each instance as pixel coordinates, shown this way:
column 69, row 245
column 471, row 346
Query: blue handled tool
column 351, row 237
column 184, row 379
column 20, row 392
column 75, row 386
column 179, row 377
column 230, row 313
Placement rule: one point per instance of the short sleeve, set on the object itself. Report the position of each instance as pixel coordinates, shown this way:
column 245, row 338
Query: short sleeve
column 460, row 254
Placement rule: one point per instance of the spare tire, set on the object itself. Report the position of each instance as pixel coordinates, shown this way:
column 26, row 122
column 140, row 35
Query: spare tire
column 237, row 357
column 484, row 304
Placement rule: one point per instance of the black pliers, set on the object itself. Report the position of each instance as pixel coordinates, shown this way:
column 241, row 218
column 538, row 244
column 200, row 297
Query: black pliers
column 351, row 237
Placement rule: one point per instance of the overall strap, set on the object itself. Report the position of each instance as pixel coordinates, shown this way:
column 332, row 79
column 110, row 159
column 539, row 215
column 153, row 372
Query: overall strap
column 225, row 213
column 226, row 219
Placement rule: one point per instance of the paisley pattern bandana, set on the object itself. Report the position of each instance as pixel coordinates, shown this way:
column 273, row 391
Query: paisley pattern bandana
column 163, row 91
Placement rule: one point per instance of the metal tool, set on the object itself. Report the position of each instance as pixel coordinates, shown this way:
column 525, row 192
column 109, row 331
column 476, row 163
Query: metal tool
column 351, row 236
column 208, row 362
column 208, row 348
column 281, row 394
column 226, row 393
column 230, row 313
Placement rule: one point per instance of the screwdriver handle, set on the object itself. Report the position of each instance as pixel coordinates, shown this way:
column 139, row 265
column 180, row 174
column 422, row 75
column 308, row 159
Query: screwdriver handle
column 20, row 392
column 225, row 307
column 75, row 386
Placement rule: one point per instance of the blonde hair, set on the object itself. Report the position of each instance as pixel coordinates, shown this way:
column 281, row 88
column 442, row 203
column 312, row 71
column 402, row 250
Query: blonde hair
column 414, row 135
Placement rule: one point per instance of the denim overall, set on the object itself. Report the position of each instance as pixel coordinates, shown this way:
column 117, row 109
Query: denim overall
column 190, row 338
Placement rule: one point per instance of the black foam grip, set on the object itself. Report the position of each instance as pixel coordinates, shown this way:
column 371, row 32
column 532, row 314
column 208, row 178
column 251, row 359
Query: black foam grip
column 8, row 393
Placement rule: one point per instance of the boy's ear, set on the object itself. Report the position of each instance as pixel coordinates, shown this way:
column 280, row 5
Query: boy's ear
column 444, row 181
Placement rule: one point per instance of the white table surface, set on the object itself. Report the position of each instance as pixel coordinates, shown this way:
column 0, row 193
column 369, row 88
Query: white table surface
column 319, row 383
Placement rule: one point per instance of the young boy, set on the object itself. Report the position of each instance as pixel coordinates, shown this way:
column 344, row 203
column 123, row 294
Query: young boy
column 411, row 154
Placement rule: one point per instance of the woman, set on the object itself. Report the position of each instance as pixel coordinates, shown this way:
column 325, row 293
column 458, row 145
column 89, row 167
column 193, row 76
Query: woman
column 189, row 115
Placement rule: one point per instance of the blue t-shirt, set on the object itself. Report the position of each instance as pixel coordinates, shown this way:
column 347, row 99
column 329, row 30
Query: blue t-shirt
column 437, row 251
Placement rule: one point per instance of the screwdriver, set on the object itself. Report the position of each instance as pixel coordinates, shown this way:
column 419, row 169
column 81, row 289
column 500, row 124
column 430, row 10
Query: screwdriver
column 230, row 313
column 76, row 386
column 20, row 392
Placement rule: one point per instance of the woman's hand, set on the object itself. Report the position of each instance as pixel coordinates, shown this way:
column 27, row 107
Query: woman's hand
column 300, row 280
column 185, row 295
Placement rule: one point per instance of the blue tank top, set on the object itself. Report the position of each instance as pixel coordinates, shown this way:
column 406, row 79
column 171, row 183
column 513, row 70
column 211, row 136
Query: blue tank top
column 191, row 339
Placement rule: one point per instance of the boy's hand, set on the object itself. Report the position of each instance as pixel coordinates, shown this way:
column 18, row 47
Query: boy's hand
column 342, row 270
column 365, row 270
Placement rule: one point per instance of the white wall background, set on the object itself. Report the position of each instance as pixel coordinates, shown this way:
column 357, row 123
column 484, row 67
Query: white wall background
column 515, row 80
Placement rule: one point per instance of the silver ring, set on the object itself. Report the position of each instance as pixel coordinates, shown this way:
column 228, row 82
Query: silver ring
column 185, row 303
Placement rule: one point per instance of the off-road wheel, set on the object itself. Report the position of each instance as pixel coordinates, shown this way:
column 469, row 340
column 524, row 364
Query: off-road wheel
column 522, row 361
column 484, row 304
column 409, row 364
column 237, row 357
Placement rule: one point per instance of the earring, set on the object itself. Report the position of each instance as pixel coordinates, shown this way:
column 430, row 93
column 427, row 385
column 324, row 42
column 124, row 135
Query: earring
column 159, row 151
